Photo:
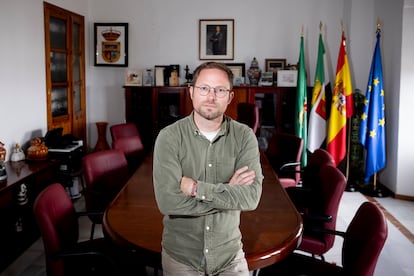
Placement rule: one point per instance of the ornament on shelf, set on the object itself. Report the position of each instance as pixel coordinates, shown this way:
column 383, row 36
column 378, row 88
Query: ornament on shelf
column 17, row 154
column 3, row 173
column 254, row 72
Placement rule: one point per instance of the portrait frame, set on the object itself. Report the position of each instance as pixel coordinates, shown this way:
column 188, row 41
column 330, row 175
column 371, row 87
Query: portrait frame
column 274, row 65
column 223, row 48
column 111, row 44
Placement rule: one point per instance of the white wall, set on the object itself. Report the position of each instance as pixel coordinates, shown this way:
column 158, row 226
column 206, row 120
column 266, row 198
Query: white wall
column 405, row 111
column 166, row 32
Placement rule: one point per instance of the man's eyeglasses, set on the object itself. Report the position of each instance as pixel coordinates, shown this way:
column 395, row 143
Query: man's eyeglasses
column 220, row 92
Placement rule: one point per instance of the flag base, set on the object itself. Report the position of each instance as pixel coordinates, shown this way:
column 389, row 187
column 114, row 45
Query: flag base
column 350, row 187
column 372, row 191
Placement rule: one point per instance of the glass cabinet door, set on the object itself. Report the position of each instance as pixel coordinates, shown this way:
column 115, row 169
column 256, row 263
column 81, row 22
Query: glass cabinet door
column 65, row 70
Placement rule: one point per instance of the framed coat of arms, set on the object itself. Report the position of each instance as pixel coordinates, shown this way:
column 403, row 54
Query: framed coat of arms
column 111, row 44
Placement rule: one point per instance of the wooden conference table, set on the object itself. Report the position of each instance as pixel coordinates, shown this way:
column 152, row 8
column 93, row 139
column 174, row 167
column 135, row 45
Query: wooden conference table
column 269, row 233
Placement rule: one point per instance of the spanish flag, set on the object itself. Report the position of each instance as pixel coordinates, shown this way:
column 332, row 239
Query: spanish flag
column 341, row 107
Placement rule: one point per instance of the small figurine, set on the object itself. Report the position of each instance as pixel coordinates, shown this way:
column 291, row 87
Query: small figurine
column 2, row 152
column 17, row 154
column 188, row 76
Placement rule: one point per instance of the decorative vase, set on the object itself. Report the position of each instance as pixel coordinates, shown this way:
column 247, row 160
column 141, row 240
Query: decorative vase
column 101, row 144
column 37, row 151
column 254, row 72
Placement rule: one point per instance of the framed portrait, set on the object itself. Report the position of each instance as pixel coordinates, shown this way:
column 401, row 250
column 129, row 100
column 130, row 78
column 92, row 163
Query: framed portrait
column 111, row 44
column 216, row 39
column 274, row 65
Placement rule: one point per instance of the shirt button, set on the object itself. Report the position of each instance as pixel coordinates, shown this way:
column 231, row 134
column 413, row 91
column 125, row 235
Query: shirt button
column 203, row 197
column 206, row 250
column 210, row 165
column 208, row 228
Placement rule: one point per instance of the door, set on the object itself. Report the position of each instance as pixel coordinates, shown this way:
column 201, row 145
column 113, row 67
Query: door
column 65, row 71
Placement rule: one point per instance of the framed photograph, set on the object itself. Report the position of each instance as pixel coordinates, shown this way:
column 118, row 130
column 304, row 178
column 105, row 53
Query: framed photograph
column 238, row 69
column 216, row 39
column 161, row 75
column 274, row 65
column 133, row 77
column 111, row 44
column 266, row 79
column 287, row 78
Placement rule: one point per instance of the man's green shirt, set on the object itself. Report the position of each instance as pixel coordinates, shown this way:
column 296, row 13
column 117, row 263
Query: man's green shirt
column 203, row 231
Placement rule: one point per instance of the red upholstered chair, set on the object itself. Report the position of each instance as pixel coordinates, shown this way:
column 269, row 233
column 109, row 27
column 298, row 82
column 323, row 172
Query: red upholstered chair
column 363, row 241
column 125, row 137
column 323, row 215
column 133, row 150
column 248, row 113
column 285, row 150
column 123, row 130
column 105, row 173
column 58, row 224
column 308, row 195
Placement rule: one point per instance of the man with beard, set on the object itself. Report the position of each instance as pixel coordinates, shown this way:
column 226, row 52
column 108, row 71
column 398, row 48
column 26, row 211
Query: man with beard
column 206, row 171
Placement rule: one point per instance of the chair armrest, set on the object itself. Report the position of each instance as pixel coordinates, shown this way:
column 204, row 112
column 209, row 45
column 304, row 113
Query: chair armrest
column 316, row 218
column 83, row 214
column 290, row 166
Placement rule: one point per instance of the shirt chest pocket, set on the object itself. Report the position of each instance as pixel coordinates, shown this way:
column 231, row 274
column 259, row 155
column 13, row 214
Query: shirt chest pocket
column 225, row 169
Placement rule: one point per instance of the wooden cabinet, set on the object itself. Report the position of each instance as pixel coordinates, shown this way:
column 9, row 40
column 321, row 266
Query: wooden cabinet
column 18, row 228
column 65, row 70
column 153, row 108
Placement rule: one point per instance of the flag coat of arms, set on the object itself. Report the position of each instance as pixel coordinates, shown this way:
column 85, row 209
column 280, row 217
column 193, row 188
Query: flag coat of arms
column 317, row 115
column 372, row 131
column 341, row 106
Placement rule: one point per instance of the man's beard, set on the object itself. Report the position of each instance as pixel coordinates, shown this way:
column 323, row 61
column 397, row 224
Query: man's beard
column 208, row 115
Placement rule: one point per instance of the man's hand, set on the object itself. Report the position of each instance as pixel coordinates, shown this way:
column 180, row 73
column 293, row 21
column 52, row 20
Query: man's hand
column 243, row 176
column 186, row 185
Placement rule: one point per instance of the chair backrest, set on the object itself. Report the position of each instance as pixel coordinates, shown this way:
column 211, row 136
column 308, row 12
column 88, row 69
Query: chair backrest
column 332, row 187
column 133, row 149
column 105, row 173
column 123, row 130
column 58, row 224
column 248, row 113
column 364, row 240
column 310, row 175
column 285, row 148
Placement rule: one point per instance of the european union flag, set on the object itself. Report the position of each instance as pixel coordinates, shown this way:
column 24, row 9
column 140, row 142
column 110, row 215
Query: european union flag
column 372, row 132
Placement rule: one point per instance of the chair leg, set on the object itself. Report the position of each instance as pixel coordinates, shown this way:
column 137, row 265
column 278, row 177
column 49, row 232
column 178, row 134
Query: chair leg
column 256, row 272
column 92, row 231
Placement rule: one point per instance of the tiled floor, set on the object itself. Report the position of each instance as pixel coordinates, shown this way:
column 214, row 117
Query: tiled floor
column 396, row 258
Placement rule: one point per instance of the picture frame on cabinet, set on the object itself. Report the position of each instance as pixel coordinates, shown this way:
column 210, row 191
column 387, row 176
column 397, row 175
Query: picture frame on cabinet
column 160, row 73
column 287, row 78
column 111, row 44
column 274, row 65
column 238, row 69
column 216, row 39
column 133, row 77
